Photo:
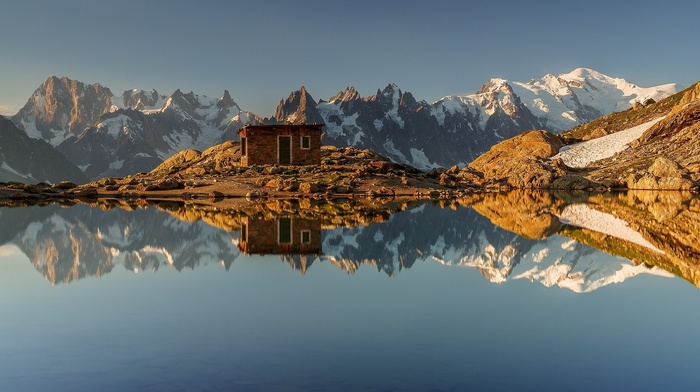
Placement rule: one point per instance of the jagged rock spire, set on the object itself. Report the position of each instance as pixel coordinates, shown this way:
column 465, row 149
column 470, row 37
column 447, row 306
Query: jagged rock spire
column 299, row 108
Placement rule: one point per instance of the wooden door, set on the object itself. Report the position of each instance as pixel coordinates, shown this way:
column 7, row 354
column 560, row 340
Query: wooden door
column 285, row 150
column 284, row 232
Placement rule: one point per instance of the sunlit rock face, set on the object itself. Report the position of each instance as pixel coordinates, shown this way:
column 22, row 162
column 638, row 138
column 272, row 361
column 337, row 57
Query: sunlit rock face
column 63, row 108
column 521, row 161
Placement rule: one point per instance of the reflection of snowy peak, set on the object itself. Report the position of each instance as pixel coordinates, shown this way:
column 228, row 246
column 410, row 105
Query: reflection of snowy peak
column 66, row 244
column 566, row 263
column 463, row 238
column 70, row 244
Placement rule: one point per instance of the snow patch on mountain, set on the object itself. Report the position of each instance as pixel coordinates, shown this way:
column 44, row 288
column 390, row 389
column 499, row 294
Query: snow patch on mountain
column 7, row 167
column 393, row 152
column 115, row 126
column 419, row 159
column 581, row 155
column 142, row 100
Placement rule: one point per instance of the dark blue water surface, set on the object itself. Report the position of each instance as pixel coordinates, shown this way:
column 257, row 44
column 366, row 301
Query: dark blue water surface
column 431, row 300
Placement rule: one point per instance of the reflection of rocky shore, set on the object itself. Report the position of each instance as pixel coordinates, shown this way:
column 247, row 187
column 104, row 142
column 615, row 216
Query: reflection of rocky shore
column 526, row 213
column 670, row 221
column 518, row 235
column 67, row 244
column 659, row 228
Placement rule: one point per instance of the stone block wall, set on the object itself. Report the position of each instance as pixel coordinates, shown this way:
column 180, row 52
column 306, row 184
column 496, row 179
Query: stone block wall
column 262, row 144
column 259, row 236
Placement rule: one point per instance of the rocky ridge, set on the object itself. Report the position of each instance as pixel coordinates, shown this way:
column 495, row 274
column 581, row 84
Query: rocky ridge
column 105, row 135
column 457, row 129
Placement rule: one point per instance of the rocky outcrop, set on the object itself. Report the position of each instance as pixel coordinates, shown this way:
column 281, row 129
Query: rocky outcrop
column 691, row 95
column 521, row 162
column 221, row 158
column 662, row 174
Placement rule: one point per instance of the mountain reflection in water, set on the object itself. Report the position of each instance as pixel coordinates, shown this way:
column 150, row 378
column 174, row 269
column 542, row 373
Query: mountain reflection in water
column 552, row 238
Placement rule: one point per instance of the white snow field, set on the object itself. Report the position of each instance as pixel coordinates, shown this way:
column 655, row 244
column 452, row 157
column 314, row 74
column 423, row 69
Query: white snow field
column 583, row 154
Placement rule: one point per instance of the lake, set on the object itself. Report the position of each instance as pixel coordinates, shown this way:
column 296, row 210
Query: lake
column 522, row 291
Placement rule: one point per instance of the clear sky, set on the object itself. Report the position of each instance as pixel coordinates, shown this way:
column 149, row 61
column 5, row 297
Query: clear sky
column 262, row 50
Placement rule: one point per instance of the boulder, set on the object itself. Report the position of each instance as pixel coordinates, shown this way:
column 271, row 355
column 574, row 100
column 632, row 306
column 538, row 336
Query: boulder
column 664, row 167
column 66, row 185
column 107, row 181
column 522, row 161
column 596, row 133
column 662, row 174
column 453, row 170
column 216, row 195
column 381, row 166
column 180, row 159
column 275, row 183
column 85, row 192
column 308, row 187
column 168, row 184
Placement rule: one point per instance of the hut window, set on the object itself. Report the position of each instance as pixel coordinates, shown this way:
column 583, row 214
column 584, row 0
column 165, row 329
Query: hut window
column 306, row 236
column 306, row 142
column 244, row 146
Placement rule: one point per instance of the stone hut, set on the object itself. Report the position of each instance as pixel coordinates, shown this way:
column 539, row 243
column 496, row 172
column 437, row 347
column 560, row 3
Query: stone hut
column 281, row 144
column 282, row 236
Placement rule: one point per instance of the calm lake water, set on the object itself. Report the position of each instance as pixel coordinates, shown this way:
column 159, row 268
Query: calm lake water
column 508, row 292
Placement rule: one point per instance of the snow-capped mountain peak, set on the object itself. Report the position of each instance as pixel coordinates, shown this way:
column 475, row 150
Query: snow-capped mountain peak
column 136, row 99
column 494, row 85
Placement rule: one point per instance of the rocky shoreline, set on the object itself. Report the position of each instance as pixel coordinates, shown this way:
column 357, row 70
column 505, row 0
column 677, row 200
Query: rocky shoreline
column 345, row 173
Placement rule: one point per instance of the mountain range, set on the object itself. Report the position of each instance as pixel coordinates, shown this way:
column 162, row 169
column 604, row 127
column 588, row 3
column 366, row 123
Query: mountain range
column 105, row 135
column 108, row 135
